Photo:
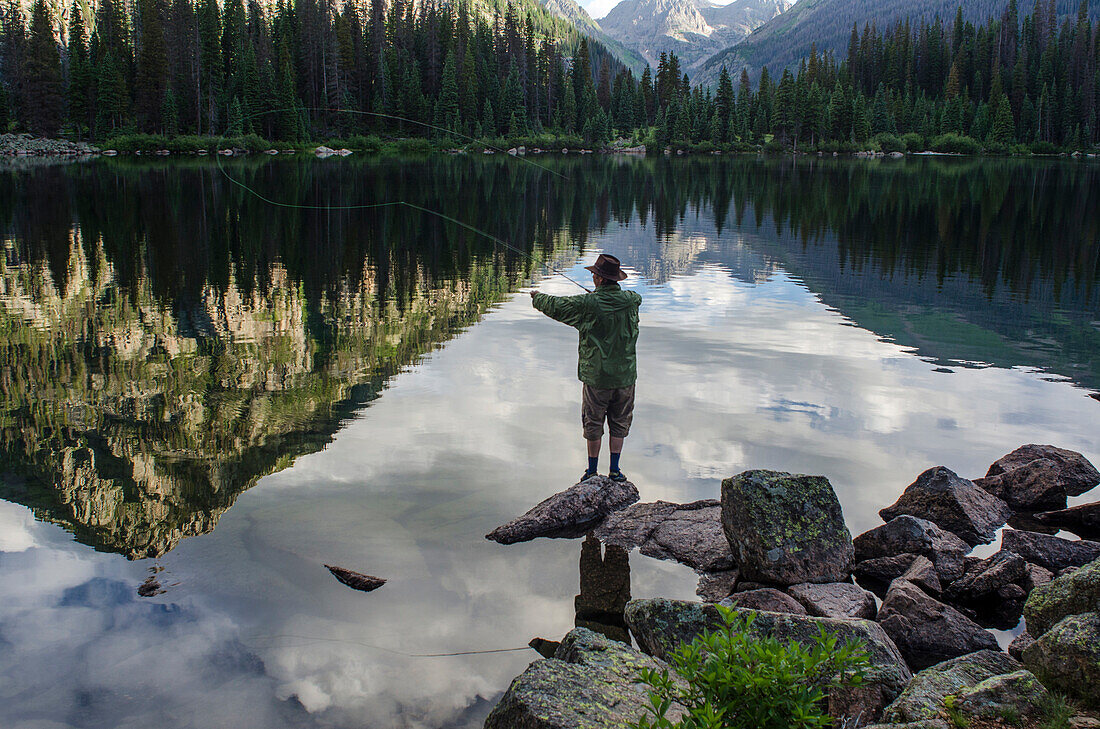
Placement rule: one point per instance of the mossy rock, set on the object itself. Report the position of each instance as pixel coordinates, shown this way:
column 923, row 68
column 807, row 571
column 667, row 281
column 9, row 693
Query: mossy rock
column 1067, row 657
column 923, row 698
column 1016, row 694
column 1072, row 594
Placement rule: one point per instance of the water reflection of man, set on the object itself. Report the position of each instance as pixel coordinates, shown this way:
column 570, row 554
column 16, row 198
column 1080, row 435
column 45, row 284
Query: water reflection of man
column 605, row 590
column 607, row 322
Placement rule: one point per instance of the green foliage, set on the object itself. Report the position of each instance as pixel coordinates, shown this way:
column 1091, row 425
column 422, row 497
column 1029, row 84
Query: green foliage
column 890, row 143
column 914, row 142
column 413, row 145
column 1043, row 148
column 732, row 678
column 955, row 144
column 956, row 717
column 1056, row 711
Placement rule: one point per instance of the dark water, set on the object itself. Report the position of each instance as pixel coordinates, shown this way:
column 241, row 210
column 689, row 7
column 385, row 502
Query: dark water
column 224, row 393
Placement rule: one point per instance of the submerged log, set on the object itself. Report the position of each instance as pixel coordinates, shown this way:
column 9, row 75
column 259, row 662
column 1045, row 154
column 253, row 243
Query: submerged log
column 356, row 580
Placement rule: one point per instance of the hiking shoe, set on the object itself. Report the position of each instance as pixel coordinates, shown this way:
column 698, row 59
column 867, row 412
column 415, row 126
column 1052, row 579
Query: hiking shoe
column 587, row 475
column 617, row 476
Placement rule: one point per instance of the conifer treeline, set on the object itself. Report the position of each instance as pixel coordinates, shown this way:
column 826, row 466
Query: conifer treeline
column 197, row 67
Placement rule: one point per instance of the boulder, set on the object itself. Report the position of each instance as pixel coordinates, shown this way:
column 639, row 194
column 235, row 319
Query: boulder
column 716, row 586
column 1053, row 553
column 1035, row 576
column 660, row 625
column 838, row 600
column 924, row 724
column 909, row 534
column 922, row 573
column 687, row 533
column 1067, row 657
column 922, row 699
column 1019, row 644
column 1013, row 694
column 591, row 683
column 1035, row 477
column 989, row 575
column 1083, row 520
column 927, row 631
column 877, row 573
column 767, row 598
column 786, row 529
column 952, row 503
column 1072, row 594
column 570, row 513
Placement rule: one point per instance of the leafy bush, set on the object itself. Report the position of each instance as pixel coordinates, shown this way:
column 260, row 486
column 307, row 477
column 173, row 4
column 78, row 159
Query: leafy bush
column 888, row 143
column 733, row 679
column 1043, row 148
column 357, row 143
column 414, row 145
column 956, row 143
column 913, row 142
column 135, row 142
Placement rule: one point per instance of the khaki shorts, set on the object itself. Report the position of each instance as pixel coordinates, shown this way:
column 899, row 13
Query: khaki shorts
column 615, row 405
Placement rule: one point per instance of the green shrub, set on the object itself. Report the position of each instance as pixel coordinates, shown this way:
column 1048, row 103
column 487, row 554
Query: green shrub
column 913, row 142
column 997, row 148
column 1043, row 148
column 414, row 145
column 775, row 145
column 734, row 679
column 888, row 143
column 135, row 142
column 1056, row 711
column 956, row 143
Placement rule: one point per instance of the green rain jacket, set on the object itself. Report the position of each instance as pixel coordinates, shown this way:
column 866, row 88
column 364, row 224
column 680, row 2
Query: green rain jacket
column 607, row 320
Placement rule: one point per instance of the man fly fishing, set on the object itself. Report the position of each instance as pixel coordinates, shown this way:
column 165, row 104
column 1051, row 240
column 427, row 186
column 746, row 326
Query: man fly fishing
column 607, row 321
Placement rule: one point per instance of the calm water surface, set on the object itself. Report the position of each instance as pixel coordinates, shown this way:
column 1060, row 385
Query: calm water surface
column 225, row 394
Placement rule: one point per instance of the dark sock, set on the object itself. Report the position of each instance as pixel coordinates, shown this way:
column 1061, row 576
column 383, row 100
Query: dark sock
column 593, row 463
column 615, row 462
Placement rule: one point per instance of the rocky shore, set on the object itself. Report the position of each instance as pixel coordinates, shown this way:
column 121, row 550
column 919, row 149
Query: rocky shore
column 26, row 145
column 908, row 590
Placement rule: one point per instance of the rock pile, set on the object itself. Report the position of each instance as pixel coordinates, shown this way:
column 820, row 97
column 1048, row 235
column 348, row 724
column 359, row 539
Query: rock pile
column 29, row 145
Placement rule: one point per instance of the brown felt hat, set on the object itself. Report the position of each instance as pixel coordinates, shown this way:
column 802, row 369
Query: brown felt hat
column 607, row 266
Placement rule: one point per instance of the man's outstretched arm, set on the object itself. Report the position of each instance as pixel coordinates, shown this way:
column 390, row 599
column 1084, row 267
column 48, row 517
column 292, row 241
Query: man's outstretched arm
column 566, row 309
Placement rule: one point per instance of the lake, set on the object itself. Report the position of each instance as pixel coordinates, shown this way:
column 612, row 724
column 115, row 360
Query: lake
column 217, row 377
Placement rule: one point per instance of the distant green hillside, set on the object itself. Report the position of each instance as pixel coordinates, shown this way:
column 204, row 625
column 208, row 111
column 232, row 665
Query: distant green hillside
column 787, row 38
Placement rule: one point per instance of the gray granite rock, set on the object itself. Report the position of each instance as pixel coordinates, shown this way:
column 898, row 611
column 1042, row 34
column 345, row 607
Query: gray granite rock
column 786, row 529
column 922, row 699
column 952, row 503
column 1019, row 644
column 908, row 534
column 716, row 586
column 661, row 625
column 1067, row 657
column 1013, row 694
column 877, row 573
column 570, row 513
column 1053, row 553
column 767, row 598
column 1075, row 475
column 591, row 683
column 927, row 631
column 687, row 533
column 1035, row 576
column 1072, row 594
column 989, row 575
column 1082, row 520
column 922, row 573
column 838, row 600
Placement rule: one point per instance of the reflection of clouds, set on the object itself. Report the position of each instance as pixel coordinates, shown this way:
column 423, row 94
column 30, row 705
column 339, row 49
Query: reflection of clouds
column 16, row 523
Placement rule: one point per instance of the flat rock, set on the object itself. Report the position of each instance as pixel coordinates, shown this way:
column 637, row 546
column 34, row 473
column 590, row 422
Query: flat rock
column 910, row 534
column 661, row 625
column 591, row 683
column 1072, row 594
column 1018, row 693
column 1075, row 474
column 922, row 573
column 927, row 631
column 356, row 580
column 767, row 598
column 1067, row 657
column 570, row 513
column 877, row 573
column 923, row 698
column 987, row 577
column 687, row 533
column 839, row 600
column 716, row 586
column 1083, row 520
column 786, row 529
column 953, row 503
column 1050, row 552
column 1019, row 644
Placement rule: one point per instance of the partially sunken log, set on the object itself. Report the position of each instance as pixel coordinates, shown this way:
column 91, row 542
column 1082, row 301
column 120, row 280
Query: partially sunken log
column 568, row 514
column 356, row 580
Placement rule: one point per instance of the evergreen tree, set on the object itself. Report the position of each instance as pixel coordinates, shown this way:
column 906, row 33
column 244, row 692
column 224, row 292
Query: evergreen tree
column 43, row 99
column 151, row 78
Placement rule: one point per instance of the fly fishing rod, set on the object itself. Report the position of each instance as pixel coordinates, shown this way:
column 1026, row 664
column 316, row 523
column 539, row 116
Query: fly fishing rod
column 404, row 203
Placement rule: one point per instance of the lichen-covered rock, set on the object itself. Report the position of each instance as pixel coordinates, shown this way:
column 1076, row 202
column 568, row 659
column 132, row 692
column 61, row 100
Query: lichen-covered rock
column 786, row 529
column 1070, row 472
column 1082, row 520
column 1067, row 657
column 1053, row 553
column 953, row 503
column 987, row 577
column 922, row 573
column 838, row 600
column 766, row 598
column 877, row 573
column 591, row 683
column 716, row 586
column 908, row 534
column 661, row 625
column 1072, row 594
column 927, row 631
column 687, row 533
column 925, row 724
column 1018, row 693
column 570, row 513
column 922, row 699
column 1019, row 644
